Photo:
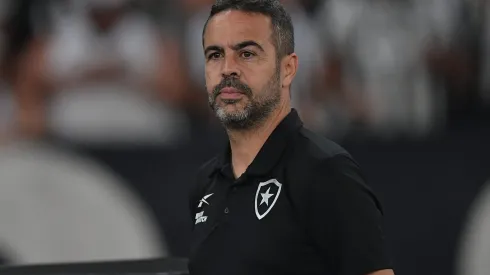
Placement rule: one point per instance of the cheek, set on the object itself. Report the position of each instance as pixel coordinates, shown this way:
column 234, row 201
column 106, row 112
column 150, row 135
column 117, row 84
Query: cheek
column 212, row 79
column 257, row 76
column 256, row 82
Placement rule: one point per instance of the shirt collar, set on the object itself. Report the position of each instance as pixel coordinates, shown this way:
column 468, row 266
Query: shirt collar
column 270, row 153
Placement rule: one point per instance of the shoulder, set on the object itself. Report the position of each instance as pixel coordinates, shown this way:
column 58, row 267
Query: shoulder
column 324, row 157
column 323, row 162
column 324, row 167
column 315, row 149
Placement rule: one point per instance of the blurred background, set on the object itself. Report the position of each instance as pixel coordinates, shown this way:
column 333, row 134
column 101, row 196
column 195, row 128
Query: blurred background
column 104, row 119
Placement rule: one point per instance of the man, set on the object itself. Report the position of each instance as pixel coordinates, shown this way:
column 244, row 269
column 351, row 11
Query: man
column 280, row 199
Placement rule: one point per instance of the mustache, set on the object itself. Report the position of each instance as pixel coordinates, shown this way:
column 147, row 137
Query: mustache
column 231, row 82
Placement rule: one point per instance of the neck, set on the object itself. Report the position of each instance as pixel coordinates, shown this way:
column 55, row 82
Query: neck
column 246, row 144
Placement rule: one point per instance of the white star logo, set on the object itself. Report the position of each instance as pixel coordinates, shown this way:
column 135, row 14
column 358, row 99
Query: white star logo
column 266, row 196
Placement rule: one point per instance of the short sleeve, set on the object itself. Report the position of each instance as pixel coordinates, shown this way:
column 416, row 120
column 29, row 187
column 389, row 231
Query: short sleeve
column 345, row 218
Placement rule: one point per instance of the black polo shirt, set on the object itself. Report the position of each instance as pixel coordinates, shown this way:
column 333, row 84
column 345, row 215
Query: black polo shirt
column 301, row 207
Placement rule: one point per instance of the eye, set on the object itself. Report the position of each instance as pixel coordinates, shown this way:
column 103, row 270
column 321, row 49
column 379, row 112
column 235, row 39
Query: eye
column 247, row 55
column 215, row 55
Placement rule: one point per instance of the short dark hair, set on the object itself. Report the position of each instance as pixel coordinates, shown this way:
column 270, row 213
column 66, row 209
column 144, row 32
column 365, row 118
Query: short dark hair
column 282, row 25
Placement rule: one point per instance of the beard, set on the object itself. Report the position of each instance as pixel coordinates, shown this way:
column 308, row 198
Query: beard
column 257, row 109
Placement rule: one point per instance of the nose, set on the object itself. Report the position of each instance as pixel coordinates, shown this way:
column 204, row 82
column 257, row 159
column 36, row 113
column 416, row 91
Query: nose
column 230, row 67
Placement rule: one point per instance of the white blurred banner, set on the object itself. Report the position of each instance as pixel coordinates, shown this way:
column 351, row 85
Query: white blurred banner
column 56, row 207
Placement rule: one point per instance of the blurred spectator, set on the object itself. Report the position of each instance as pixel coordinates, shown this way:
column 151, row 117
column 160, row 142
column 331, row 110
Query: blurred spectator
column 196, row 13
column 308, row 48
column 7, row 68
column 484, row 87
column 103, row 74
column 452, row 49
column 377, row 62
column 440, row 17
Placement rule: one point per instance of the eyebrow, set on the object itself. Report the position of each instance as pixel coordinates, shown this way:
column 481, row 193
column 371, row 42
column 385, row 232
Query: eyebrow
column 213, row 48
column 247, row 43
column 236, row 47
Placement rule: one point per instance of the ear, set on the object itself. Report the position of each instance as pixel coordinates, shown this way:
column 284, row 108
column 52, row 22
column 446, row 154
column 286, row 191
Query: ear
column 290, row 67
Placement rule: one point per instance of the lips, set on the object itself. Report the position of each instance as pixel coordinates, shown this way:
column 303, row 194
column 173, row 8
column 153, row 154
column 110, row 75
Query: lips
column 230, row 93
column 230, row 90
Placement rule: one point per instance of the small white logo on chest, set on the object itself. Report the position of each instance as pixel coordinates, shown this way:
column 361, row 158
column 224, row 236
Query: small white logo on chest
column 200, row 218
column 203, row 200
column 269, row 193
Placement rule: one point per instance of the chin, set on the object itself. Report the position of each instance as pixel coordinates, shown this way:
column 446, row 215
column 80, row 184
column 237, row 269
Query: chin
column 230, row 111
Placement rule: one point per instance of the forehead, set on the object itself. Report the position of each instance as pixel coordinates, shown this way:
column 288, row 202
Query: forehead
column 231, row 27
